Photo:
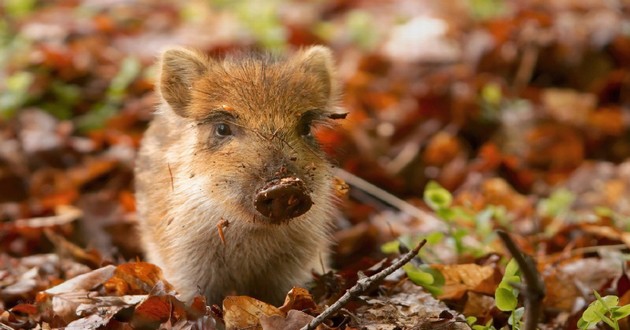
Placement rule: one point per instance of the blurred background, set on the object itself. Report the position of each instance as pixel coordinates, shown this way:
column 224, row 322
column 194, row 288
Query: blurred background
column 500, row 102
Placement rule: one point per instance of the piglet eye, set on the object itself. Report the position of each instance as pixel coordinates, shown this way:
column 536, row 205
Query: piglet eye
column 305, row 129
column 222, row 130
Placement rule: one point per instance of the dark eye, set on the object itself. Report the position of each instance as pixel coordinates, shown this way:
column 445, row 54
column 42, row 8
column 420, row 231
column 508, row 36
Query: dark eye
column 304, row 129
column 222, row 130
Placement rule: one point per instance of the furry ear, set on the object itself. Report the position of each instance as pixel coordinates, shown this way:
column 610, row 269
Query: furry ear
column 318, row 60
column 180, row 68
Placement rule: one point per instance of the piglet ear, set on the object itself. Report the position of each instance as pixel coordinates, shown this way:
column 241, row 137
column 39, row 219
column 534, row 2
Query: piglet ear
column 180, row 68
column 318, row 60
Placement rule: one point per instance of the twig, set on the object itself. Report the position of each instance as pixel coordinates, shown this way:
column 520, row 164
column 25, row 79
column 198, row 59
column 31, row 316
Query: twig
column 362, row 285
column 534, row 292
column 383, row 195
column 597, row 248
column 5, row 327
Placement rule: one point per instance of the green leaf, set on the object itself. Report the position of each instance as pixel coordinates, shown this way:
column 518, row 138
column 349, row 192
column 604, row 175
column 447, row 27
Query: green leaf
column 437, row 197
column 417, row 275
column 482, row 327
column 361, row 29
column 608, row 301
column 447, row 214
column 505, row 299
column 129, row 70
column 470, row 320
column 516, row 317
column 507, row 281
column 511, row 269
column 487, row 9
column 557, row 204
column 435, row 237
column 491, row 93
column 19, row 8
column 590, row 315
column 391, row 247
column 583, row 325
column 16, row 93
column 430, row 279
column 621, row 312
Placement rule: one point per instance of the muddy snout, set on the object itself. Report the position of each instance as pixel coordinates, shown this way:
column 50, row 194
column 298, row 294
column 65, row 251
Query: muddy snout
column 283, row 199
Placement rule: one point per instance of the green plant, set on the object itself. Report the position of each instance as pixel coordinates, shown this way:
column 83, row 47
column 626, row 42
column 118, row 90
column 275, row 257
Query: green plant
column 604, row 309
column 16, row 93
column 260, row 19
column 460, row 220
column 506, row 295
column 558, row 204
column 487, row 9
column 471, row 320
column 430, row 279
column 130, row 68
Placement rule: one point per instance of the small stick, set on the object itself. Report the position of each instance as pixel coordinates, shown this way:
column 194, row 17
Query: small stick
column 5, row 327
column 220, row 226
column 534, row 292
column 383, row 195
column 362, row 285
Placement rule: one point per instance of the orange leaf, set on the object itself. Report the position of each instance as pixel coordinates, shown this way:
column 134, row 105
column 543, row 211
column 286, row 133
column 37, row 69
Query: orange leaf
column 245, row 312
column 136, row 278
column 460, row 279
column 298, row 299
column 152, row 312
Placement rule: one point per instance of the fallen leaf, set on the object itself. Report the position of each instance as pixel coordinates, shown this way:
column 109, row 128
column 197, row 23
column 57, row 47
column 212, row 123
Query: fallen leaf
column 294, row 320
column 100, row 310
column 136, row 278
column 241, row 312
column 441, row 149
column 69, row 295
column 84, row 282
column 478, row 305
column 561, row 291
column 298, row 299
column 459, row 279
column 152, row 312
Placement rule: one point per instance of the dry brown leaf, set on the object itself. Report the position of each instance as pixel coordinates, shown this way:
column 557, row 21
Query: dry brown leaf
column 607, row 121
column 136, row 278
column 478, row 305
column 607, row 232
column 152, row 312
column 294, row 320
column 561, row 291
column 568, row 106
column 84, row 282
column 69, row 295
column 90, row 170
column 242, row 312
column 298, row 299
column 497, row 191
column 459, row 279
column 411, row 308
column 554, row 147
column 441, row 149
column 98, row 311
column 20, row 316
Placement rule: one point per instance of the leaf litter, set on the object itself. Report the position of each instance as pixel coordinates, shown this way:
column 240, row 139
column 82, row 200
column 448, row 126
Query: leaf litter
column 520, row 111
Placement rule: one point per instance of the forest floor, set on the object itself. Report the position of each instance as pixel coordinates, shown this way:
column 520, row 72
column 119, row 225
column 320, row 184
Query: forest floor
column 479, row 116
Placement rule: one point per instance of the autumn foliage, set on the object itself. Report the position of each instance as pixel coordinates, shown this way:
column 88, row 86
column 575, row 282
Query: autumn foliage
column 479, row 115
